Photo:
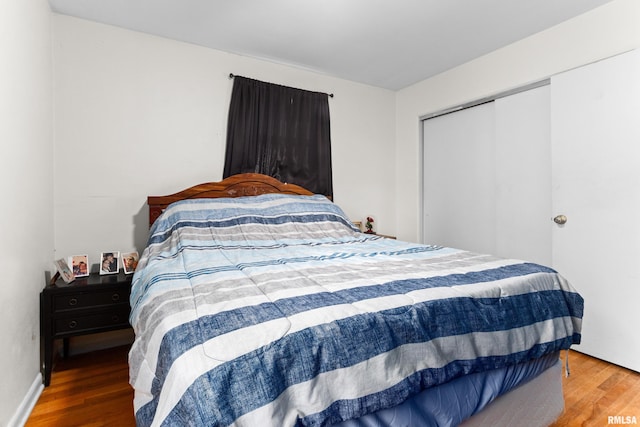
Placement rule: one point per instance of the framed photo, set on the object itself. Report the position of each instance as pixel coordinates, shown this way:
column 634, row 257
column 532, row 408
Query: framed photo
column 79, row 265
column 65, row 272
column 130, row 262
column 109, row 262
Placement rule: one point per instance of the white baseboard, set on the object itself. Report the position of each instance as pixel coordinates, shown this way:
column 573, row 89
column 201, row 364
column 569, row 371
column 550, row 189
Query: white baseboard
column 21, row 415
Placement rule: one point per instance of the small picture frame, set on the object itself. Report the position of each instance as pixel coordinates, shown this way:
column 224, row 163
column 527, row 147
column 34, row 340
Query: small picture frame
column 79, row 265
column 109, row 262
column 130, row 262
column 63, row 269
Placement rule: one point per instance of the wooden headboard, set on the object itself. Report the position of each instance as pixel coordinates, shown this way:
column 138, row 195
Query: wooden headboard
column 246, row 184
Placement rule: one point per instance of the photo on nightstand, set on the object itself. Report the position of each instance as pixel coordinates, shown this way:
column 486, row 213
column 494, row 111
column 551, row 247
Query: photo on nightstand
column 109, row 262
column 63, row 269
column 130, row 262
column 79, row 265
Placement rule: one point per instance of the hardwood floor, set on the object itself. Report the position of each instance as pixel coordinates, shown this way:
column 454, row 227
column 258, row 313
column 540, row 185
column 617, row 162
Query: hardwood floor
column 597, row 390
column 93, row 390
column 90, row 389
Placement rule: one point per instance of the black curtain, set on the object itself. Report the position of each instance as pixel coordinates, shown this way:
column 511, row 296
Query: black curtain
column 279, row 131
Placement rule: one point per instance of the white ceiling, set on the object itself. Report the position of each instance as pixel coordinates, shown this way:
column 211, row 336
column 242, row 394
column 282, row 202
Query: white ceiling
column 385, row 43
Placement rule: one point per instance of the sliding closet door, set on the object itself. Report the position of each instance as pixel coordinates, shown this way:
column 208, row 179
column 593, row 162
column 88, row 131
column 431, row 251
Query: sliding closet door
column 487, row 178
column 596, row 181
column 459, row 186
column 523, row 176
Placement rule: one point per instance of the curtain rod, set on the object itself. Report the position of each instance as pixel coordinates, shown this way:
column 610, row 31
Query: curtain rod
column 231, row 75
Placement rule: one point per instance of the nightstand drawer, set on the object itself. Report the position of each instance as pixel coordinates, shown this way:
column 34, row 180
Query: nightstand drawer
column 90, row 322
column 93, row 299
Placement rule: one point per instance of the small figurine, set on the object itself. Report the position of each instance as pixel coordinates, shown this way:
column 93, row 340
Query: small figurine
column 369, row 226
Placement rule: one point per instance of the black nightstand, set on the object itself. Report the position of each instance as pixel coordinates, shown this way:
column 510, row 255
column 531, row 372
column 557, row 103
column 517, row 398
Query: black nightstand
column 87, row 305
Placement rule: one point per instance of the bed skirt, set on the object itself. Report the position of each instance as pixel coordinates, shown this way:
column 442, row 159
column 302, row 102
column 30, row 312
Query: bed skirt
column 528, row 394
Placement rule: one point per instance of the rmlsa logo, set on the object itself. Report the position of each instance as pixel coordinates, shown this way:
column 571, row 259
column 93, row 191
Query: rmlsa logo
column 622, row 419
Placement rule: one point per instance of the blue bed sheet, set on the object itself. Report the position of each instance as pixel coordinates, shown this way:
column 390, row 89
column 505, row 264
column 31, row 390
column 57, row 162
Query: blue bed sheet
column 447, row 405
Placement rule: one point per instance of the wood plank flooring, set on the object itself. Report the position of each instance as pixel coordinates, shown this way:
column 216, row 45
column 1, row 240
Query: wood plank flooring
column 597, row 390
column 93, row 390
column 90, row 389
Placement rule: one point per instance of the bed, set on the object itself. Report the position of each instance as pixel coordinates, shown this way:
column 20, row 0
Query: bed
column 257, row 303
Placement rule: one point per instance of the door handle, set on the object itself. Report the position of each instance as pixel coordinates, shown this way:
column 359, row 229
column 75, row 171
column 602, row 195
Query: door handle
column 560, row 219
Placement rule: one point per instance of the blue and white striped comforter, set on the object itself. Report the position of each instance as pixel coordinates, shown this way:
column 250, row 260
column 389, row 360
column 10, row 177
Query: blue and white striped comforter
column 274, row 310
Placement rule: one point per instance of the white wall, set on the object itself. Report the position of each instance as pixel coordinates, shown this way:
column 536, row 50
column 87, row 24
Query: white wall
column 140, row 115
column 26, row 173
column 600, row 33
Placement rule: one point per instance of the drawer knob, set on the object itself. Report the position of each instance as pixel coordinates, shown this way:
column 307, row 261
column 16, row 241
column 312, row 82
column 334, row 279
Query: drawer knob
column 73, row 301
column 73, row 324
column 115, row 297
column 115, row 318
